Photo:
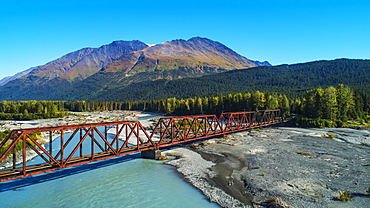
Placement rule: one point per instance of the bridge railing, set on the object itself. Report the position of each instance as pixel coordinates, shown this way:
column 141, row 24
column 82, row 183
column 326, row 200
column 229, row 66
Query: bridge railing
column 78, row 144
column 237, row 121
column 173, row 130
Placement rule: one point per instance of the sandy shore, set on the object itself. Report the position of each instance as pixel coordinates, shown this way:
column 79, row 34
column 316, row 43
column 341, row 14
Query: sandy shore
column 288, row 167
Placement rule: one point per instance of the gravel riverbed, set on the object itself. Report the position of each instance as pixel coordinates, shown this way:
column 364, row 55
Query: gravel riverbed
column 288, row 167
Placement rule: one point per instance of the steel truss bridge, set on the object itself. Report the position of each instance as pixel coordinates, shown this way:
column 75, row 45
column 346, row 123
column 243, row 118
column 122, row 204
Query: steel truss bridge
column 72, row 145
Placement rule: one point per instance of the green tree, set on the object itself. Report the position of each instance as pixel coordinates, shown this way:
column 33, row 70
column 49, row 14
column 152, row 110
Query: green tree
column 272, row 102
column 284, row 105
column 258, row 100
column 329, row 104
column 345, row 101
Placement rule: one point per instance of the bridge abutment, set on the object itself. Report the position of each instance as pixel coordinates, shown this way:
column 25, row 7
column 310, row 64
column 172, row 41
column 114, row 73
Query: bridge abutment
column 151, row 154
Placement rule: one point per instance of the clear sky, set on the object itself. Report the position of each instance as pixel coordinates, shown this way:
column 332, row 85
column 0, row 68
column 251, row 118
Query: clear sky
column 34, row 32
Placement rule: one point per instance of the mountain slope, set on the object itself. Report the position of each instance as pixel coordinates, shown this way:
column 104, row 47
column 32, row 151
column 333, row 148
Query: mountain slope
column 47, row 82
column 86, row 62
column 289, row 79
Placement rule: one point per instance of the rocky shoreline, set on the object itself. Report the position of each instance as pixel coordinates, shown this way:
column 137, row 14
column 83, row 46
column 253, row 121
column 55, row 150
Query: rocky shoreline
column 197, row 171
column 74, row 118
column 280, row 167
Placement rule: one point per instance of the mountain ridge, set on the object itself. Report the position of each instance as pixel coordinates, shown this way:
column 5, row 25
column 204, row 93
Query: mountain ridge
column 85, row 62
column 193, row 53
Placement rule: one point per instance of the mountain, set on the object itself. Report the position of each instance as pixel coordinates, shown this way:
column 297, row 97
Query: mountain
column 170, row 60
column 86, row 62
column 90, row 71
column 7, row 79
column 198, row 54
column 264, row 63
column 46, row 82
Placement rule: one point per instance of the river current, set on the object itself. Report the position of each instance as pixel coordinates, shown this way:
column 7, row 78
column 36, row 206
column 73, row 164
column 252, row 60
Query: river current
column 127, row 181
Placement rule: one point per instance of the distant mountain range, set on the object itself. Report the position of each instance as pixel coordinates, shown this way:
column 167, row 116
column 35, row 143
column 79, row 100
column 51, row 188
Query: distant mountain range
column 90, row 71
column 7, row 79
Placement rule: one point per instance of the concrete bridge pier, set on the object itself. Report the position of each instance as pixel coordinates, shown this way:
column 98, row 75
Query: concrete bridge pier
column 151, row 154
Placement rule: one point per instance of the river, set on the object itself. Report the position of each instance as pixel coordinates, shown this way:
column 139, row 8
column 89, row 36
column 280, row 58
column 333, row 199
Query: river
column 127, row 181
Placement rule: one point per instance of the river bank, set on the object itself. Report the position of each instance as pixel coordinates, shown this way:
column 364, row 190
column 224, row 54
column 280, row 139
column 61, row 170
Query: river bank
column 293, row 167
column 74, row 118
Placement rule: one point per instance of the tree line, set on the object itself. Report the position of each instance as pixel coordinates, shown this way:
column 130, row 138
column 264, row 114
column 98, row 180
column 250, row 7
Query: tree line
column 331, row 106
column 320, row 107
column 27, row 110
column 216, row 105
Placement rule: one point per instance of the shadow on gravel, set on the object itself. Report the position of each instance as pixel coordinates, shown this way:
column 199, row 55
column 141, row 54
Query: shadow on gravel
column 359, row 195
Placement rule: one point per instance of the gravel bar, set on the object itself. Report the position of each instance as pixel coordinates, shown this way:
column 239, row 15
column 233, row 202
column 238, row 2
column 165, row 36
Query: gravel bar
column 280, row 167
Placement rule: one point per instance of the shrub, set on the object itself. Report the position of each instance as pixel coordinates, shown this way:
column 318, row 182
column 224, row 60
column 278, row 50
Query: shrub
column 303, row 153
column 329, row 135
column 256, row 129
column 344, row 196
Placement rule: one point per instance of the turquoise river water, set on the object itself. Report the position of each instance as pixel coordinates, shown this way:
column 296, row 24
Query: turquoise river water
column 126, row 181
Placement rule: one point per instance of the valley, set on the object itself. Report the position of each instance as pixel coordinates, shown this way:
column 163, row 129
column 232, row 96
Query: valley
column 200, row 76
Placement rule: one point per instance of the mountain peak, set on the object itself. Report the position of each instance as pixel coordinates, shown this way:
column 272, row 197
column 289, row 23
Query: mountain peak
column 197, row 38
column 126, row 42
column 199, row 55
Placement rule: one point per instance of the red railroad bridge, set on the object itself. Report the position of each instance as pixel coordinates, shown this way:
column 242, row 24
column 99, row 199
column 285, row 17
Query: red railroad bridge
column 72, row 145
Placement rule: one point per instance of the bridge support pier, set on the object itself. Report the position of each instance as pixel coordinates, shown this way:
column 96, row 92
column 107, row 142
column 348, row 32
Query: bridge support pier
column 151, row 154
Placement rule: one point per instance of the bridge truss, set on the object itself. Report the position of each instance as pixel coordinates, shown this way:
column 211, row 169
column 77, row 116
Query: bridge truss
column 72, row 145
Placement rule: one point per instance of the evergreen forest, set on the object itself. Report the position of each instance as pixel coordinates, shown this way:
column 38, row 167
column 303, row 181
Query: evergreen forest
column 291, row 80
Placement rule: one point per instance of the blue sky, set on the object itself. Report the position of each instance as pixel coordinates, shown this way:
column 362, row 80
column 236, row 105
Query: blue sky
column 280, row 31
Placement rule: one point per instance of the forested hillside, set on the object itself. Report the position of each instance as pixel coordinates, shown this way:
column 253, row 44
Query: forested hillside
column 292, row 80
